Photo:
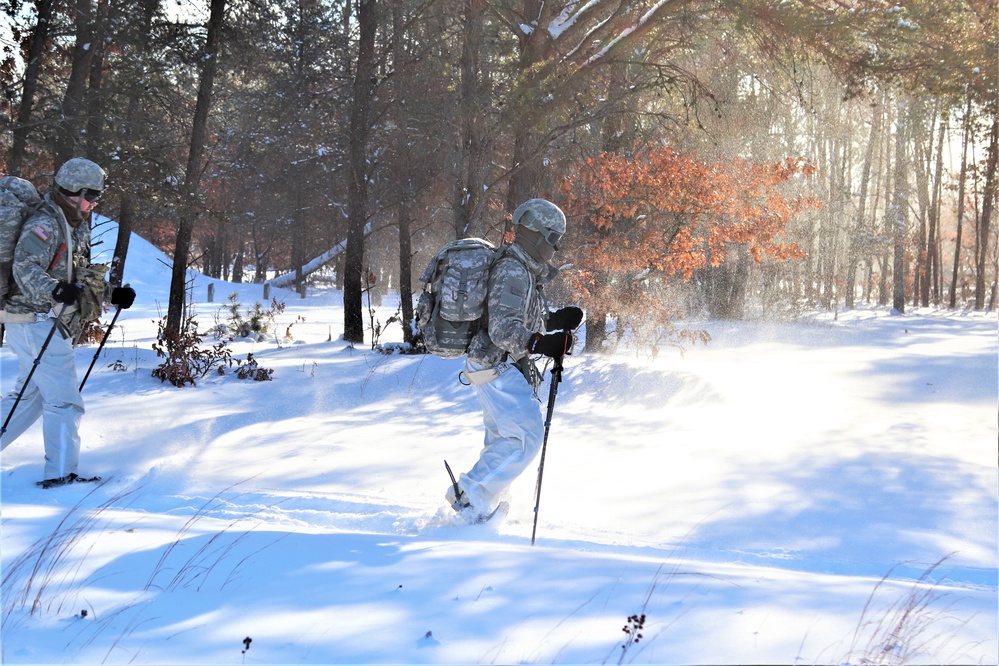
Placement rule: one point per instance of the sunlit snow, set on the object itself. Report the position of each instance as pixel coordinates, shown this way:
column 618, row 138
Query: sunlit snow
column 747, row 497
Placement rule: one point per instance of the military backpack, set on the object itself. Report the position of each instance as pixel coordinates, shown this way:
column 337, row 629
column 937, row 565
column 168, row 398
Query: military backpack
column 453, row 305
column 18, row 201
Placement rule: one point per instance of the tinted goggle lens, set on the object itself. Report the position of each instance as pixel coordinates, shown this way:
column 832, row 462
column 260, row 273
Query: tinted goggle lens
column 90, row 195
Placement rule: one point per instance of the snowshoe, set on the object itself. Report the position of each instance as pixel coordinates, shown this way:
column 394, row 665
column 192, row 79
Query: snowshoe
column 65, row 480
column 460, row 502
column 498, row 512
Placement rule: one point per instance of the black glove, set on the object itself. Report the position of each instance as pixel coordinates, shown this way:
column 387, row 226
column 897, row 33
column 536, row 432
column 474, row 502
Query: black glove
column 67, row 292
column 565, row 319
column 555, row 345
column 123, row 297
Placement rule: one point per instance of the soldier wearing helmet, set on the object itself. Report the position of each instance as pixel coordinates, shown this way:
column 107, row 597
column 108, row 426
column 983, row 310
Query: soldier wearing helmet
column 499, row 365
column 79, row 184
column 52, row 279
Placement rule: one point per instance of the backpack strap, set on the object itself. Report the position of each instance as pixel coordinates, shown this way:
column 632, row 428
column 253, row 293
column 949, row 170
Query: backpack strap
column 56, row 213
column 498, row 254
column 57, row 256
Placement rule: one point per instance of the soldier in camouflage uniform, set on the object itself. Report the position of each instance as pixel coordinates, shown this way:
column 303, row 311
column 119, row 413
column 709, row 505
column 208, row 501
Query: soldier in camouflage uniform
column 51, row 256
column 499, row 366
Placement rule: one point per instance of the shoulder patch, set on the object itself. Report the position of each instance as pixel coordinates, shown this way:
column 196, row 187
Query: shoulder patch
column 511, row 299
column 40, row 232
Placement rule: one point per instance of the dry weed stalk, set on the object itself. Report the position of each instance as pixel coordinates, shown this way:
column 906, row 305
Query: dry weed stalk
column 914, row 627
column 43, row 575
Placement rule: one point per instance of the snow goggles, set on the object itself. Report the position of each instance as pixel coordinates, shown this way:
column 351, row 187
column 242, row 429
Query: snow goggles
column 552, row 237
column 529, row 220
column 91, row 196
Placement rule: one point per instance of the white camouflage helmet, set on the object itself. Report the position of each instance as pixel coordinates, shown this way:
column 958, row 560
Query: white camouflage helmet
column 542, row 216
column 80, row 174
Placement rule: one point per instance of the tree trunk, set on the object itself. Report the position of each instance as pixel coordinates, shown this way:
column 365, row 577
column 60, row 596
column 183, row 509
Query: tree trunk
column 828, row 228
column 898, row 213
column 881, row 185
column 933, row 241
column 962, row 179
column 404, row 158
column 983, row 237
column 298, row 249
column 237, row 264
column 887, row 230
column 726, row 285
column 70, row 136
column 857, row 238
column 473, row 107
column 357, row 182
column 617, row 134
column 406, row 271
column 921, row 165
column 32, row 70
column 526, row 169
column 126, row 214
column 262, row 257
column 95, row 98
column 125, row 217
column 192, row 177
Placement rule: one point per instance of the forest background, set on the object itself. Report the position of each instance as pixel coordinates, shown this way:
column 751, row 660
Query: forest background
column 721, row 158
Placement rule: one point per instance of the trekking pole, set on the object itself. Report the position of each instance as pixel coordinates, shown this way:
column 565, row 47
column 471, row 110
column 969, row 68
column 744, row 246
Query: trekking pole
column 101, row 346
column 38, row 359
column 556, row 378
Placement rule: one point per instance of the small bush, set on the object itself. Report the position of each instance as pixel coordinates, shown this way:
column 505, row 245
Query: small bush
column 250, row 369
column 93, row 332
column 184, row 359
column 255, row 321
column 376, row 326
column 389, row 348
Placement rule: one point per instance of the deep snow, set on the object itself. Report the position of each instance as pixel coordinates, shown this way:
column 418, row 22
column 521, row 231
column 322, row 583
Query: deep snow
column 747, row 497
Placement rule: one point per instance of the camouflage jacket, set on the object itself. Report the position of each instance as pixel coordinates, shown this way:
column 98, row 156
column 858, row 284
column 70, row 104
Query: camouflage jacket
column 41, row 258
column 516, row 308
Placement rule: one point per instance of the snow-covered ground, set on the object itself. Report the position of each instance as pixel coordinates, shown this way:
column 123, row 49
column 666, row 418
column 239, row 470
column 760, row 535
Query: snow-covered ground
column 822, row 491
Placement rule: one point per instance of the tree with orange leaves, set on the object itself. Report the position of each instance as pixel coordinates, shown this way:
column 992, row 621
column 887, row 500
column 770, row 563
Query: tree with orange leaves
column 653, row 219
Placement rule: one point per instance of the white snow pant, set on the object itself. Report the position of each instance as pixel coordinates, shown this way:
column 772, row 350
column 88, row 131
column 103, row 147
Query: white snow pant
column 52, row 394
column 514, row 432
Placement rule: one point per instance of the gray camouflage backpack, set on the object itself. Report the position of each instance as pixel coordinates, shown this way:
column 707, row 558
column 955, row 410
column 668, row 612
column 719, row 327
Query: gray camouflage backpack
column 452, row 307
column 18, row 200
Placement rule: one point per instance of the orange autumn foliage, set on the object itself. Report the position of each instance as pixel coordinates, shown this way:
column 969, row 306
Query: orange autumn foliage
column 642, row 224
column 672, row 214
column 676, row 214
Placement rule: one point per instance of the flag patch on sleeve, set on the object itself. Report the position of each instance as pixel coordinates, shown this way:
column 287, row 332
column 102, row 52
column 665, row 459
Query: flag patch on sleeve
column 41, row 233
